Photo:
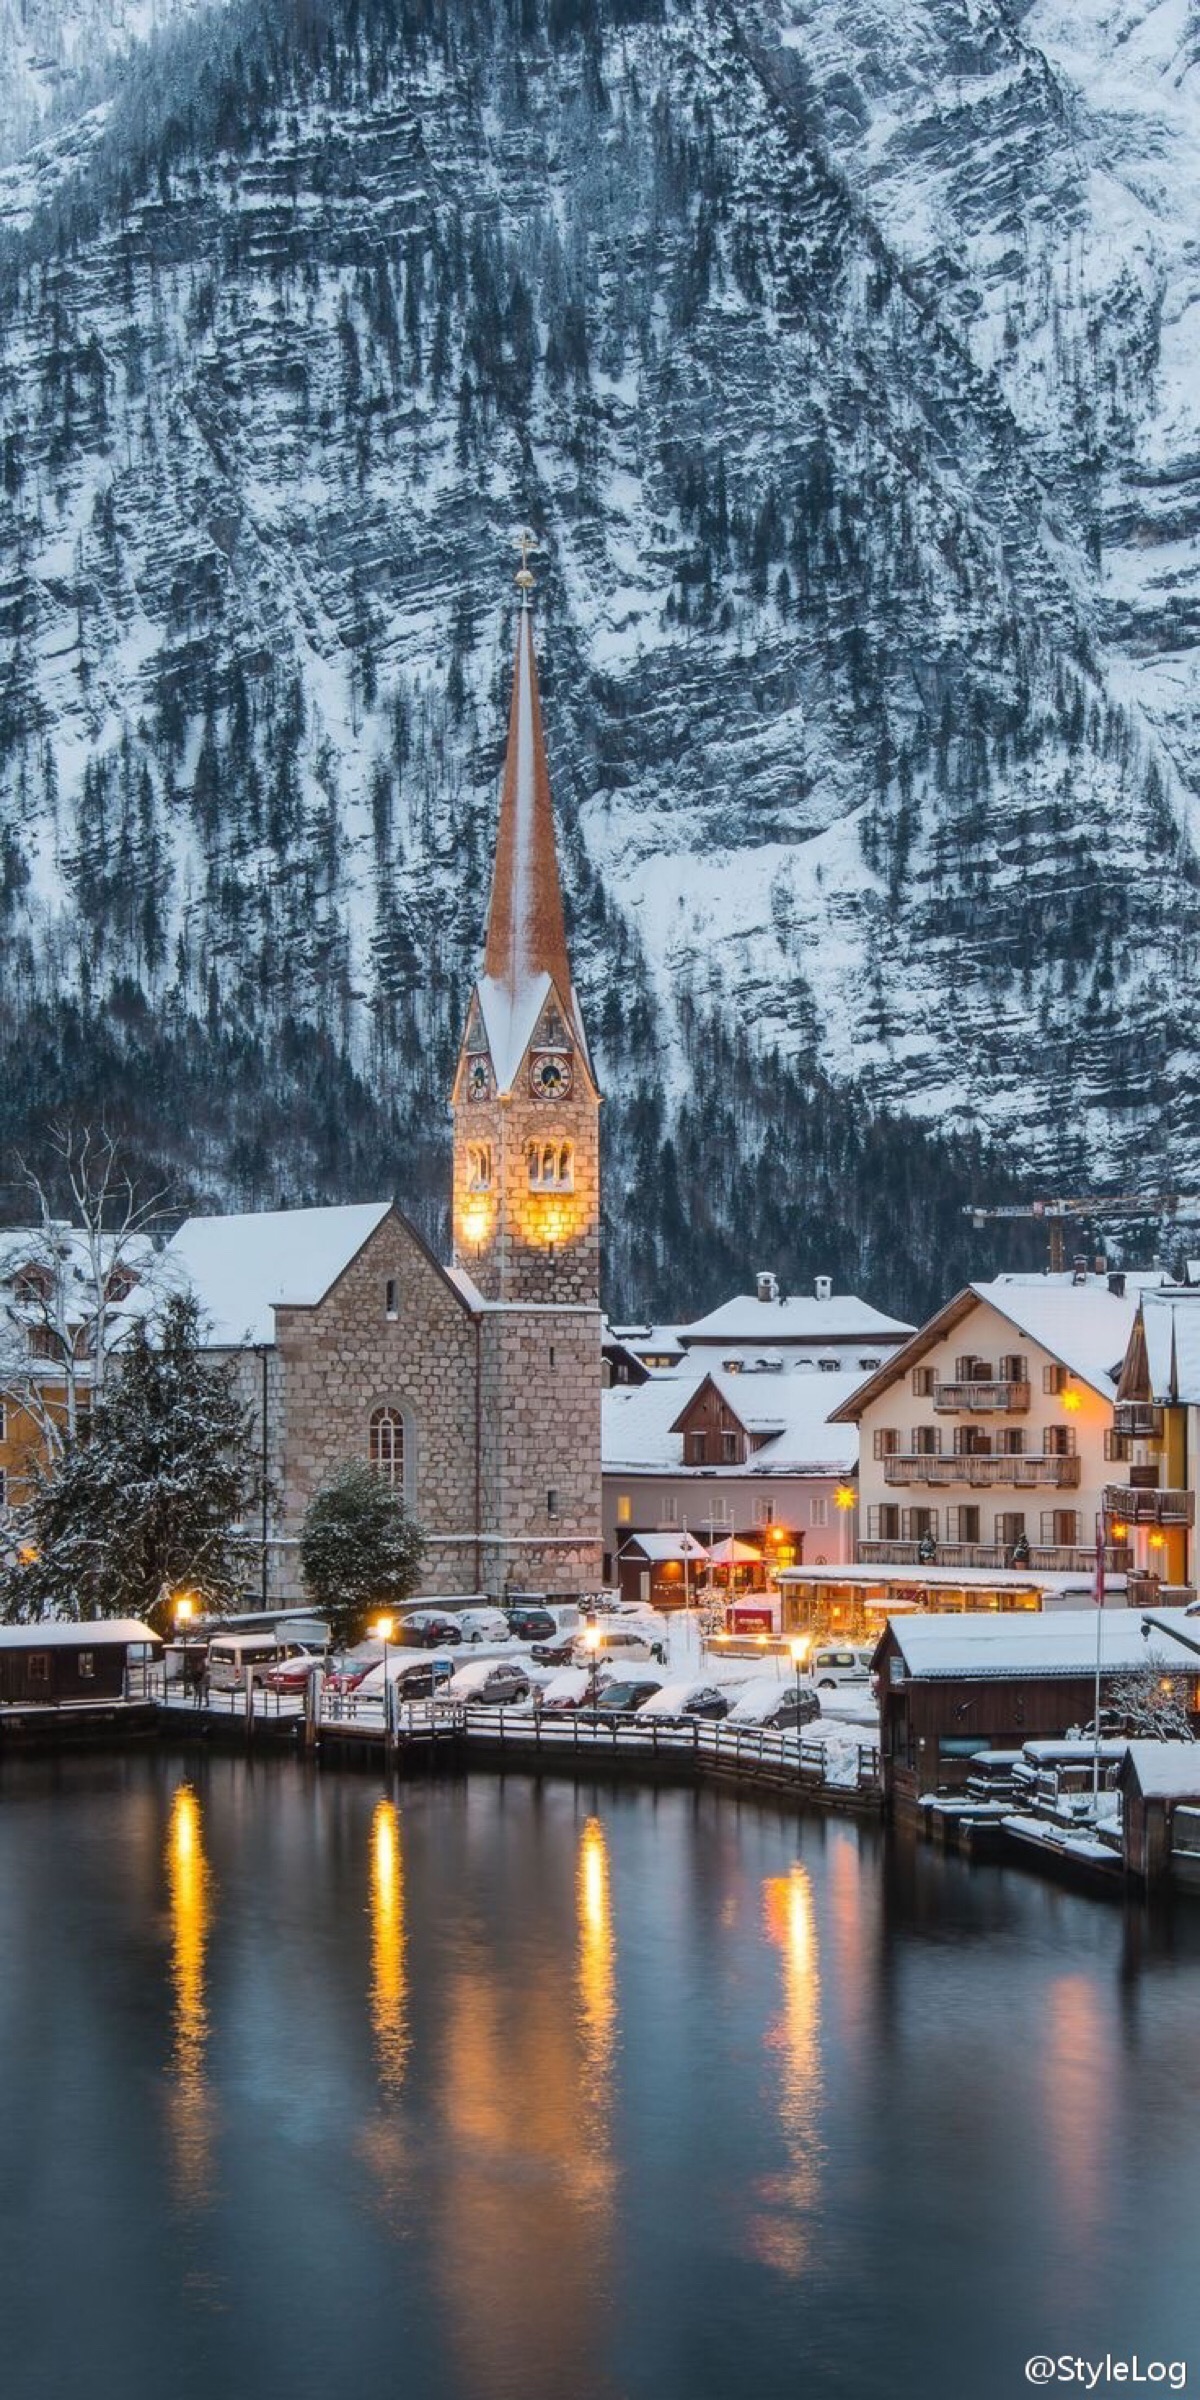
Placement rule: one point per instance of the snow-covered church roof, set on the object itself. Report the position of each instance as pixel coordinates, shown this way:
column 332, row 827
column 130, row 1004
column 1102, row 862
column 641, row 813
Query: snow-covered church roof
column 242, row 1268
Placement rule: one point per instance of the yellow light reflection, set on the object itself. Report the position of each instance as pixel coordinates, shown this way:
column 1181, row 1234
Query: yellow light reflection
column 780, row 2231
column 190, row 2105
column 389, row 1993
column 597, row 1968
column 1075, row 2048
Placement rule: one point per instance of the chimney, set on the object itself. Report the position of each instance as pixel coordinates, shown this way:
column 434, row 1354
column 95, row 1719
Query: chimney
column 823, row 1287
column 1116, row 1285
column 767, row 1286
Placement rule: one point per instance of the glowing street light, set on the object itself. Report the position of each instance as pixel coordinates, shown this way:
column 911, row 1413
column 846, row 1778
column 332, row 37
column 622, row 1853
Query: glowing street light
column 799, row 1647
column 383, row 1629
column 591, row 1641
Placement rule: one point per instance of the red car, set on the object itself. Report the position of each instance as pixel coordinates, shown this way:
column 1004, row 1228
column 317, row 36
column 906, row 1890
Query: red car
column 292, row 1674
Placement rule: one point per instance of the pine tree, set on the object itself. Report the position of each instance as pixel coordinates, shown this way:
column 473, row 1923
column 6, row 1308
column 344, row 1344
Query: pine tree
column 359, row 1549
column 144, row 1500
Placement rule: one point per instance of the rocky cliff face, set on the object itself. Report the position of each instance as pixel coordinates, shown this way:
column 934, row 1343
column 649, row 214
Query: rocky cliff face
column 843, row 361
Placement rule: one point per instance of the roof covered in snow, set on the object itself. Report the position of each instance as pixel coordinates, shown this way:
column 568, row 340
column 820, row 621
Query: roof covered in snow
column 1083, row 1324
column 242, row 1268
column 69, row 1633
column 792, row 1411
column 658, row 1546
column 1171, row 1321
column 767, row 1324
column 1163, row 1770
column 1027, row 1643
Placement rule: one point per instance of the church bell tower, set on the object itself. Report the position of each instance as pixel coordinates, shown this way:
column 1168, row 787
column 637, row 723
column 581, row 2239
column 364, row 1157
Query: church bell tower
column 525, row 1103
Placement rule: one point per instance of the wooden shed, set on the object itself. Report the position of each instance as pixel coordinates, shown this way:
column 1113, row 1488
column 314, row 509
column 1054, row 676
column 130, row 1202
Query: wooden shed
column 56, row 1662
column 952, row 1686
column 1155, row 1779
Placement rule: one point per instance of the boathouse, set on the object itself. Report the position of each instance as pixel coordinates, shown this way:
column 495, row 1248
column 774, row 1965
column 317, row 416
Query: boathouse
column 950, row 1687
column 1159, row 1783
column 56, row 1662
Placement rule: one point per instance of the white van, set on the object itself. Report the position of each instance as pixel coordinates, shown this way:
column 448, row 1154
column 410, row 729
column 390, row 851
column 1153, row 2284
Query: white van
column 831, row 1668
column 232, row 1657
column 621, row 1642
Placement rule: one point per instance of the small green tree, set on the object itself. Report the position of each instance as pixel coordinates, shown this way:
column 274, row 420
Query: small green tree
column 144, row 1498
column 360, row 1550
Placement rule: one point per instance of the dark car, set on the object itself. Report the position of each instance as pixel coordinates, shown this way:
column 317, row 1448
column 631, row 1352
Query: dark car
column 531, row 1624
column 621, row 1699
column 427, row 1629
column 418, row 1681
column 559, row 1653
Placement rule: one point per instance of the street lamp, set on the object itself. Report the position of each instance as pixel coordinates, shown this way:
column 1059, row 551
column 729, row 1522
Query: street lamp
column 383, row 1630
column 591, row 1641
column 799, row 1650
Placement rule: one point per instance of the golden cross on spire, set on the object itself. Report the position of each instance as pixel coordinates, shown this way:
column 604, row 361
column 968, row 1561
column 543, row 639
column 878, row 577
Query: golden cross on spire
column 529, row 547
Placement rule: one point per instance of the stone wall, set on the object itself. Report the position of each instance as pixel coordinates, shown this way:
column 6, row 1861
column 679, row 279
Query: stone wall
column 541, row 1450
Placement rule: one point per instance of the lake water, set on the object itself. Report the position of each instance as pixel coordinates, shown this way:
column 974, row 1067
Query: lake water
column 495, row 2091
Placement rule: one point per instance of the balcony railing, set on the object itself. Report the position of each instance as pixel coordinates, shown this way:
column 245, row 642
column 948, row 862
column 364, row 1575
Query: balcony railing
column 981, row 1397
column 1139, row 1507
column 1140, row 1418
column 1048, row 1557
column 1149, row 1591
column 1027, row 1470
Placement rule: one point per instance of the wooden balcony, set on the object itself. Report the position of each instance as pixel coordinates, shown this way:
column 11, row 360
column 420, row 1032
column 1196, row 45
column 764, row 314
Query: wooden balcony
column 1140, row 1418
column 1140, row 1507
column 1049, row 1558
column 982, row 1399
column 1149, row 1591
column 979, row 1473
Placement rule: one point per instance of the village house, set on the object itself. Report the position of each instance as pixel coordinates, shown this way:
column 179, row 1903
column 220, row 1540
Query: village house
column 733, row 1455
column 1154, row 1447
column 823, row 1330
column 988, row 1440
column 950, row 1687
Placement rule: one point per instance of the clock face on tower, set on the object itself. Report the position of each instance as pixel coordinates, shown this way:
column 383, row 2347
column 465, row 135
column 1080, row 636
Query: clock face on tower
column 550, row 1075
column 479, row 1080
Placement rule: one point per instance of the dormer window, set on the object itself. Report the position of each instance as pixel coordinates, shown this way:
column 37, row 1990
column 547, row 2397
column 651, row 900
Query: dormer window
column 479, row 1166
column 550, row 1166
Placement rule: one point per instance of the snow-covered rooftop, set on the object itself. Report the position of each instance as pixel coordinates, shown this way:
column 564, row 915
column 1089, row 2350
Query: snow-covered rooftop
column 63, row 1633
column 1172, row 1327
column 767, row 1324
column 1164, row 1770
column 1025, row 1642
column 657, row 1546
column 242, row 1268
column 791, row 1410
column 1087, row 1325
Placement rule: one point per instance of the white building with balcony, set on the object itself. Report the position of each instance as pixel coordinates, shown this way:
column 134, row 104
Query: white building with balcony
column 988, row 1440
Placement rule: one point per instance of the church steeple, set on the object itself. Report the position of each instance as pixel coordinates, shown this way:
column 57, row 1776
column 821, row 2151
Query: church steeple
column 525, row 1100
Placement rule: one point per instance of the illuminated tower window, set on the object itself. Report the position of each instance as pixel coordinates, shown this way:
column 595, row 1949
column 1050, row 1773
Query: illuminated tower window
column 479, row 1166
column 387, row 1446
column 551, row 1166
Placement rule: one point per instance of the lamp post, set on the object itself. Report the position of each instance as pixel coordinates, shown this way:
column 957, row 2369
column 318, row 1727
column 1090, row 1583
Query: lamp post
column 184, row 1611
column 591, row 1642
column 383, row 1630
column 799, row 1650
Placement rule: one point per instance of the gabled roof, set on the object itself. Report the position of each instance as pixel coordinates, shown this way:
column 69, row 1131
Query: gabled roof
column 1162, row 1770
column 1171, row 1330
column 639, row 1424
column 1022, row 1642
column 69, row 1633
column 658, row 1546
column 1085, row 1326
column 764, row 1324
column 242, row 1268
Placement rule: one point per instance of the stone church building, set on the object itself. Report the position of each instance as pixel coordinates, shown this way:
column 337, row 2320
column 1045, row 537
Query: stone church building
column 473, row 1388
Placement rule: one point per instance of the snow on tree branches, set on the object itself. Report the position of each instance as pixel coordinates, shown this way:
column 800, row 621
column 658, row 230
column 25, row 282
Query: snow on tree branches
column 359, row 1549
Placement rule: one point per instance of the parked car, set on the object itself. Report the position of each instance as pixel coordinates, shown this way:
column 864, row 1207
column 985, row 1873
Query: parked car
column 484, row 1625
column 292, row 1674
column 570, row 1688
column 557, row 1653
column 350, row 1670
column 489, row 1683
column 622, row 1644
column 235, row 1658
column 830, row 1668
column 767, row 1702
column 416, row 1681
column 531, row 1624
column 427, row 1629
column 687, row 1700
column 625, row 1694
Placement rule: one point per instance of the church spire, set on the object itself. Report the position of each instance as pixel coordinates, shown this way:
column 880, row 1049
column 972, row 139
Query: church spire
column 526, row 933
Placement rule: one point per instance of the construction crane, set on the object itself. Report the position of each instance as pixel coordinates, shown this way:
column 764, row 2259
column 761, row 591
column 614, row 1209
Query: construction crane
column 1056, row 1215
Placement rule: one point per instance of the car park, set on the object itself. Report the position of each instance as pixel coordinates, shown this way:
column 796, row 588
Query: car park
column 687, row 1700
column 489, row 1683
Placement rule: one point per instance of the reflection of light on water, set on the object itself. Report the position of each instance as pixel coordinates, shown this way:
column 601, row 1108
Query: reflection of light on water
column 1078, row 2072
column 190, row 2102
column 779, row 2232
column 389, row 1998
column 597, row 1969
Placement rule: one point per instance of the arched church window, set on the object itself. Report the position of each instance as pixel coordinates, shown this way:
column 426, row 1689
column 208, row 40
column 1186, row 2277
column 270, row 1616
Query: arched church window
column 550, row 1166
column 479, row 1166
column 387, row 1446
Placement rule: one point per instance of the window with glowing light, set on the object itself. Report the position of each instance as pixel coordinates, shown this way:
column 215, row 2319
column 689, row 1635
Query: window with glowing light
column 386, row 1446
column 479, row 1166
column 550, row 1166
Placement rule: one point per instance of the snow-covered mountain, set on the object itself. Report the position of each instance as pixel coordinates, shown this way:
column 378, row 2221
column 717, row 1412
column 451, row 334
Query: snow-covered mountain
column 845, row 360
